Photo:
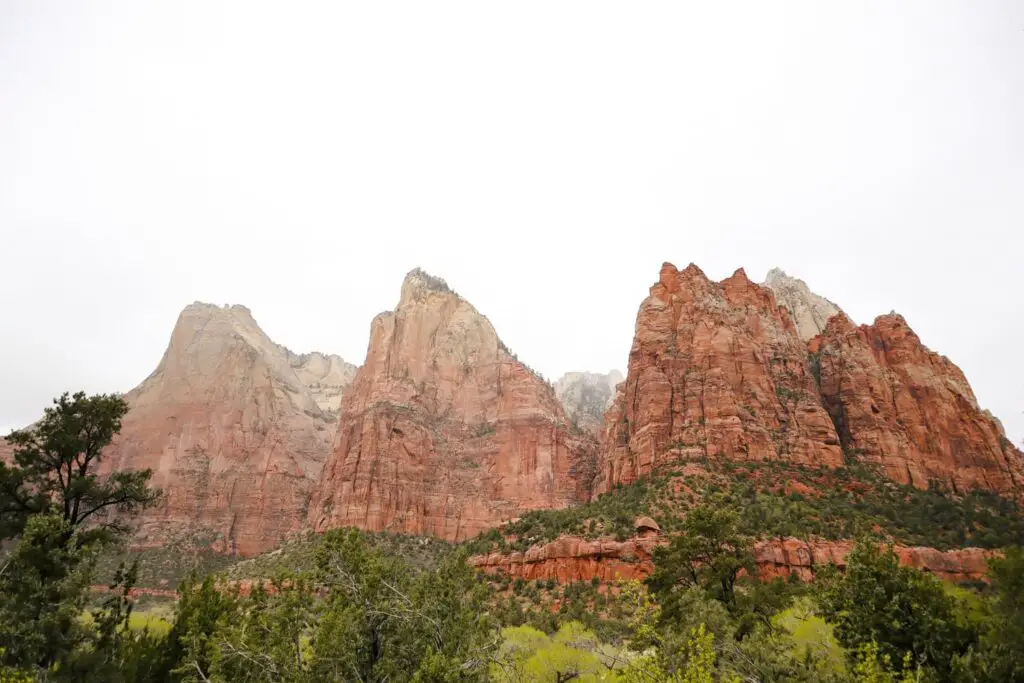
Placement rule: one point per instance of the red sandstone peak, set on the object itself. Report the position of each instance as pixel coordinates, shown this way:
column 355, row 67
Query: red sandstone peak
column 444, row 432
column 716, row 370
column 234, row 437
column 911, row 411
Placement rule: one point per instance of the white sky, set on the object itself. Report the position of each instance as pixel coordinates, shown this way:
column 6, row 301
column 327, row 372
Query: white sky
column 544, row 158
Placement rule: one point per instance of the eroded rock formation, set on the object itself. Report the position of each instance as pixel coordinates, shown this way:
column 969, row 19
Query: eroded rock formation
column 716, row 370
column 443, row 431
column 569, row 559
column 911, row 411
column 325, row 375
column 810, row 312
column 234, row 438
column 586, row 396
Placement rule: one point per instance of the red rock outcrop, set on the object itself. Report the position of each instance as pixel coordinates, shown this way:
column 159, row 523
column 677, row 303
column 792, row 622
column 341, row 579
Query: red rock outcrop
column 443, row 432
column 235, row 440
column 909, row 410
column 569, row 559
column 716, row 370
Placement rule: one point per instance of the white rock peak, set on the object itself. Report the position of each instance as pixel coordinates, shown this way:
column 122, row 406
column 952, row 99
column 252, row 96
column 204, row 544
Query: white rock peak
column 810, row 311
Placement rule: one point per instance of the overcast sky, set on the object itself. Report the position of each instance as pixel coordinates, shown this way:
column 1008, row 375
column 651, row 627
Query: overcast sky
column 544, row 158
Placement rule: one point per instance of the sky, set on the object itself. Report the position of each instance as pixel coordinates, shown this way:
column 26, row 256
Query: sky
column 544, row 158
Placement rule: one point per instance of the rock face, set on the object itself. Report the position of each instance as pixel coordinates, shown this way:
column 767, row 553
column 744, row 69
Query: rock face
column 234, row 437
column 809, row 311
column 569, row 559
column 325, row 376
column 586, row 396
column 909, row 410
column 716, row 370
column 443, row 432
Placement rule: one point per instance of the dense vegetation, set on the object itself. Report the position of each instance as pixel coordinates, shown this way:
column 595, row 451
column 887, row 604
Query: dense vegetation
column 352, row 606
column 830, row 504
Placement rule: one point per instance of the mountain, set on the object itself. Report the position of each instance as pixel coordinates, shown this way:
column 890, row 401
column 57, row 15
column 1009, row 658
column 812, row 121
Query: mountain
column 230, row 424
column 810, row 312
column 909, row 410
column 443, row 431
column 325, row 376
column 720, row 370
column 586, row 396
column 717, row 370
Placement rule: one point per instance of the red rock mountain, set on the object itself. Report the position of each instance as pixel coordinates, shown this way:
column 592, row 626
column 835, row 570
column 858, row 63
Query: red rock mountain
column 443, row 431
column 717, row 369
column 720, row 370
column 234, row 437
column 911, row 411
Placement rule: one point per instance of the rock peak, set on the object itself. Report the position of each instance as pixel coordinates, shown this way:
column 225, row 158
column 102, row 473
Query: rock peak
column 810, row 311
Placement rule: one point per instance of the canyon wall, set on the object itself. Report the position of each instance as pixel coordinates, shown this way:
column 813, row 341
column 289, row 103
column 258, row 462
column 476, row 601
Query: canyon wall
column 235, row 439
column 909, row 410
column 443, row 431
column 716, row 370
column 570, row 558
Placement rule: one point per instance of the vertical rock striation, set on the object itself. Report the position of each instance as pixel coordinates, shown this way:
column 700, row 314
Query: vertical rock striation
column 909, row 410
column 234, row 438
column 443, row 431
column 716, row 370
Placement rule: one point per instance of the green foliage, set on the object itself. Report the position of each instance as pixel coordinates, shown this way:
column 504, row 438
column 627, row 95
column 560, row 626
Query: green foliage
column 58, row 508
column 572, row 654
column 612, row 514
column 904, row 612
column 839, row 504
column 709, row 553
column 360, row 615
column 54, row 470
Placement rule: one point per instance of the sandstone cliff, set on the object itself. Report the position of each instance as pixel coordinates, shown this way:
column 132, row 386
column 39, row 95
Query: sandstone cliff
column 911, row 411
column 443, row 431
column 586, row 396
column 809, row 311
column 325, row 376
column 716, row 370
column 234, row 437
column 569, row 559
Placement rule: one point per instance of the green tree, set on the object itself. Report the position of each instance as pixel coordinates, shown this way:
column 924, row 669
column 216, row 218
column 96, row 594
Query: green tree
column 904, row 612
column 573, row 653
column 998, row 656
column 56, row 506
column 54, row 471
column 710, row 552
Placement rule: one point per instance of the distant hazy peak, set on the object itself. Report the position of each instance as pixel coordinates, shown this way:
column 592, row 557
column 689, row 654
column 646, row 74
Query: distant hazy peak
column 586, row 396
column 810, row 311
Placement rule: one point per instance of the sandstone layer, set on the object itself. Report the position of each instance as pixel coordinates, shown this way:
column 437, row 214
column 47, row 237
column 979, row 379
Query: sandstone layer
column 716, row 370
column 810, row 312
column 911, row 411
column 586, row 396
column 443, row 431
column 234, row 437
column 570, row 558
